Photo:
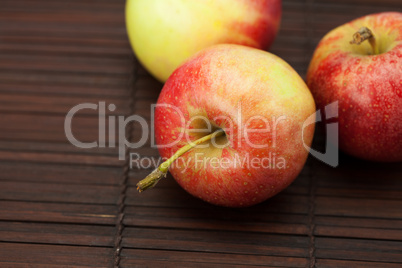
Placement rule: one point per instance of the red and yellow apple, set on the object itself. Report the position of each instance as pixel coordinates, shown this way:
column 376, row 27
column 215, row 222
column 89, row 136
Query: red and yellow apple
column 164, row 33
column 366, row 79
column 258, row 101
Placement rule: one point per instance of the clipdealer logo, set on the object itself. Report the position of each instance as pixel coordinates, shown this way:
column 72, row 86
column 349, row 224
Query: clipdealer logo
column 117, row 137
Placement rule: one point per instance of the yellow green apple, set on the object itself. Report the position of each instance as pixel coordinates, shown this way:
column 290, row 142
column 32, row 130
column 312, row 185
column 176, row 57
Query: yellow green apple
column 164, row 33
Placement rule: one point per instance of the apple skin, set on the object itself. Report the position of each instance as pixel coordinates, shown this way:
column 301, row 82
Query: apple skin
column 368, row 87
column 165, row 33
column 214, row 83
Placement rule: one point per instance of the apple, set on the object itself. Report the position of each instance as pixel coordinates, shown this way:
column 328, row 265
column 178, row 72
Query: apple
column 245, row 108
column 359, row 64
column 164, row 33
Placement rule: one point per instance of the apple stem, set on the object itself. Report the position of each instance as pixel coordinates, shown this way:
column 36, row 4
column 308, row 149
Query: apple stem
column 160, row 172
column 363, row 34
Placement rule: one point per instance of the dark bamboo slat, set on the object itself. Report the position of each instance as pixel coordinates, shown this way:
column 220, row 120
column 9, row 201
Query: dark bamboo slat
column 34, row 255
column 58, row 212
column 42, row 88
column 63, row 234
column 330, row 263
column 216, row 241
column 201, row 259
column 20, row 103
column 61, row 158
column 60, row 173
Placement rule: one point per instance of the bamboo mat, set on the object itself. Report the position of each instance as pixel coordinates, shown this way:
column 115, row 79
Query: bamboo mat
column 61, row 206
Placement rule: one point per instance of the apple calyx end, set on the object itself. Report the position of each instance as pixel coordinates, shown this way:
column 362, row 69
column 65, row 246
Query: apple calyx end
column 151, row 180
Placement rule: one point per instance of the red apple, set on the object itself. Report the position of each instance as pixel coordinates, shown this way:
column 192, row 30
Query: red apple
column 165, row 33
column 258, row 102
column 366, row 79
